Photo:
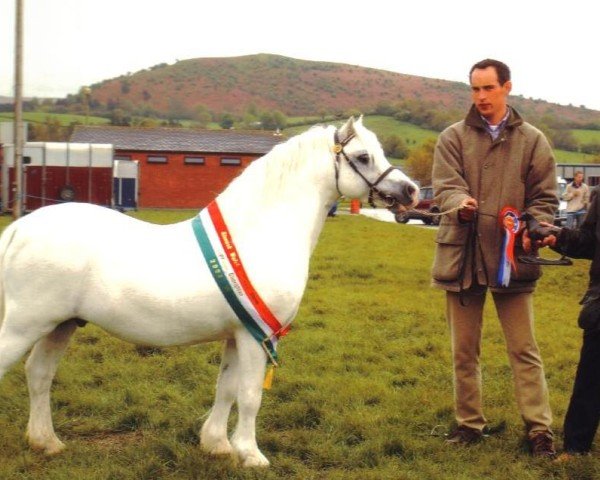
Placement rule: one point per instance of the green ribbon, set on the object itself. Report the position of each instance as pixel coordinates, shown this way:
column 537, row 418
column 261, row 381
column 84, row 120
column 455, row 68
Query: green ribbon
column 215, row 269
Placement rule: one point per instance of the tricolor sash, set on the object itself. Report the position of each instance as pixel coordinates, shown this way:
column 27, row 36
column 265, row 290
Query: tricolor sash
column 509, row 221
column 228, row 272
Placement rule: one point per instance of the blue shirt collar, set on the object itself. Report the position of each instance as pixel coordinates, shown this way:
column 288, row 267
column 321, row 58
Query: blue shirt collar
column 494, row 130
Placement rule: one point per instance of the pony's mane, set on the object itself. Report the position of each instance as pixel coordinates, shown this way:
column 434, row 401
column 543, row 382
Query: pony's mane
column 267, row 176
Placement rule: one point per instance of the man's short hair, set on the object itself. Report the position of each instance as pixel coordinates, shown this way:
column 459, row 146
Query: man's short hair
column 578, row 172
column 502, row 69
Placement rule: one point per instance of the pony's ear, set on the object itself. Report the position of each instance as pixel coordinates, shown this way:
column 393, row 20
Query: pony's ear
column 347, row 130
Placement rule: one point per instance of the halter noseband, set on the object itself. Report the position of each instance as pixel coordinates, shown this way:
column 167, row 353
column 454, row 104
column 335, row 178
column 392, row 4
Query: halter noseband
column 338, row 149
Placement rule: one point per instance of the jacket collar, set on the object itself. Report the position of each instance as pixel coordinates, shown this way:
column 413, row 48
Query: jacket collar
column 473, row 118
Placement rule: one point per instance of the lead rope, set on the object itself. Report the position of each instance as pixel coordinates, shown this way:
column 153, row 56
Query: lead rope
column 434, row 214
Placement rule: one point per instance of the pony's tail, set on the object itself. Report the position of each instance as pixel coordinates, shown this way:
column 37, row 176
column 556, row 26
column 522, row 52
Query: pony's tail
column 5, row 241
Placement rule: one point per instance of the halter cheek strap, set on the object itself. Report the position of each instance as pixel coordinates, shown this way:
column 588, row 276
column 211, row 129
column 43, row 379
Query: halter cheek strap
column 338, row 149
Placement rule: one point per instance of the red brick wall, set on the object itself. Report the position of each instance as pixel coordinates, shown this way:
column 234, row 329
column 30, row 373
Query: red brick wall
column 179, row 185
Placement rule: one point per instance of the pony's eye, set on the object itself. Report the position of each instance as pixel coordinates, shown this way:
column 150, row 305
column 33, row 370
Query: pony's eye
column 364, row 158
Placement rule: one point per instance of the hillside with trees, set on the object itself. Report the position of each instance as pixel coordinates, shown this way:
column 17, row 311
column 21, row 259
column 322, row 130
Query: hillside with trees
column 200, row 88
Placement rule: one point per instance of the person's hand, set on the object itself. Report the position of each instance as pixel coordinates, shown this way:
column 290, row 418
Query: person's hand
column 546, row 231
column 467, row 211
column 550, row 240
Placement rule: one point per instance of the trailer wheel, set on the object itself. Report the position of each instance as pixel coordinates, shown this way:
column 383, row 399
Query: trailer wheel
column 67, row 193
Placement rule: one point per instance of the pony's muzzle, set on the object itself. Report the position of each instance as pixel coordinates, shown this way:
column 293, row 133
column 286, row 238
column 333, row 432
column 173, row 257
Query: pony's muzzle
column 404, row 195
column 407, row 194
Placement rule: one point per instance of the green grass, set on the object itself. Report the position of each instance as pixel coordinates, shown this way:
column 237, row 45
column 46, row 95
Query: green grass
column 386, row 126
column 563, row 156
column 587, row 136
column 64, row 118
column 383, row 127
column 583, row 137
column 194, row 124
column 365, row 380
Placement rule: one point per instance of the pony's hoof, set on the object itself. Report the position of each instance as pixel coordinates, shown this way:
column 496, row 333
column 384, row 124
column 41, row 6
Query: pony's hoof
column 222, row 447
column 214, row 443
column 256, row 459
column 52, row 447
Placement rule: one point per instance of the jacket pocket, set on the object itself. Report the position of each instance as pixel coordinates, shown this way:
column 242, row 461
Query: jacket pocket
column 448, row 263
column 525, row 271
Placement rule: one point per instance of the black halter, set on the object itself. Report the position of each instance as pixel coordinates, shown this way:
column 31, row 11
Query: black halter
column 338, row 149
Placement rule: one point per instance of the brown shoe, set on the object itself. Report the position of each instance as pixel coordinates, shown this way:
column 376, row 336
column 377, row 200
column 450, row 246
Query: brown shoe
column 542, row 445
column 564, row 457
column 464, row 435
column 567, row 457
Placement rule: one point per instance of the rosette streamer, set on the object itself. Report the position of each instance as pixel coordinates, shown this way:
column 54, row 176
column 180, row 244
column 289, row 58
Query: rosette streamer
column 509, row 221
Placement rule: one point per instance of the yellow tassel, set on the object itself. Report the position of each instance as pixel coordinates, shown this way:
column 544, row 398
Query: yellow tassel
column 269, row 378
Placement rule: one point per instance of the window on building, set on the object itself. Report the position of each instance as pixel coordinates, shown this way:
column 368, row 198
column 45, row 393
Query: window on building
column 157, row 159
column 194, row 161
column 123, row 157
column 230, row 161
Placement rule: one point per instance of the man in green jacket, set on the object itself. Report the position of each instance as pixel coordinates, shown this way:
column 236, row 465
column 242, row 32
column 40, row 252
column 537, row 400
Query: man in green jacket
column 491, row 160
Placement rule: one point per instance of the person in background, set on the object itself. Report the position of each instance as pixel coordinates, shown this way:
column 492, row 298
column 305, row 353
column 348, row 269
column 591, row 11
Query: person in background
column 577, row 196
column 490, row 160
column 583, row 415
column 333, row 210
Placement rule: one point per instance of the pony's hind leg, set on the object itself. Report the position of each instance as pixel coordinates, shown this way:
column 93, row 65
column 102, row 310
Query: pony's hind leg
column 213, row 436
column 40, row 369
column 15, row 341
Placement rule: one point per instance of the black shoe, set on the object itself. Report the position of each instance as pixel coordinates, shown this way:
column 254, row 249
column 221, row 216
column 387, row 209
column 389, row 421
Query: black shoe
column 541, row 445
column 464, row 435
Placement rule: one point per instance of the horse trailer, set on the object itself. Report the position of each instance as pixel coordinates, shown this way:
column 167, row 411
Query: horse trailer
column 61, row 172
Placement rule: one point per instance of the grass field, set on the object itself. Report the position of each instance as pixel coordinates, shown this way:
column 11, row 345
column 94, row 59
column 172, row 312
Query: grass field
column 384, row 127
column 64, row 118
column 364, row 391
column 587, row 136
column 563, row 156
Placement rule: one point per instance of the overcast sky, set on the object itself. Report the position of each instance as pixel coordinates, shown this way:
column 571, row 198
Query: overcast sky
column 551, row 46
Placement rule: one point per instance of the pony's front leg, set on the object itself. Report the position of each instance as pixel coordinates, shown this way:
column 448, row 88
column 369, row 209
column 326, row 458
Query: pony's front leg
column 252, row 361
column 213, row 436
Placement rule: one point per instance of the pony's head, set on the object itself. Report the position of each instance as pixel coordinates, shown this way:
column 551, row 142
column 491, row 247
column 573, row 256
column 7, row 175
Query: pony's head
column 363, row 171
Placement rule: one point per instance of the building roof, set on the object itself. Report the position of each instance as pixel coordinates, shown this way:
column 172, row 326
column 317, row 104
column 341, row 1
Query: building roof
column 177, row 139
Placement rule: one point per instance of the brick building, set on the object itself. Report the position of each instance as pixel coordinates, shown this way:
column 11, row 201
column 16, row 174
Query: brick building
column 175, row 168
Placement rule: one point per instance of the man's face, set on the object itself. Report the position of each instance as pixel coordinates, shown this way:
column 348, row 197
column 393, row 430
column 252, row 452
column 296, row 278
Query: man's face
column 488, row 95
column 578, row 178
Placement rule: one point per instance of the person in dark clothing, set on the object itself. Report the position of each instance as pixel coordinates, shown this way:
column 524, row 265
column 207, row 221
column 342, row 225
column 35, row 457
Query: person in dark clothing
column 583, row 415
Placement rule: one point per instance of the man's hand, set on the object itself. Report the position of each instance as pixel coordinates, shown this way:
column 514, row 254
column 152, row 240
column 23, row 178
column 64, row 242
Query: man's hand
column 467, row 211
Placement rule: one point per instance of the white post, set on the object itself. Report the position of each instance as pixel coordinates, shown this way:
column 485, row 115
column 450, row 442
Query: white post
column 18, row 121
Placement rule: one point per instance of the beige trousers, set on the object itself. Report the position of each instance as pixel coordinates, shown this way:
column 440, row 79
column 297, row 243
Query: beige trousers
column 515, row 311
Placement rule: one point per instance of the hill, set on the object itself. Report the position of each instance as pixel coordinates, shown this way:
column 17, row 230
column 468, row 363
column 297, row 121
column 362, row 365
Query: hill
column 294, row 87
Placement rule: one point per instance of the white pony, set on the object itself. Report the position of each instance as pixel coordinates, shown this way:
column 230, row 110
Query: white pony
column 150, row 284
